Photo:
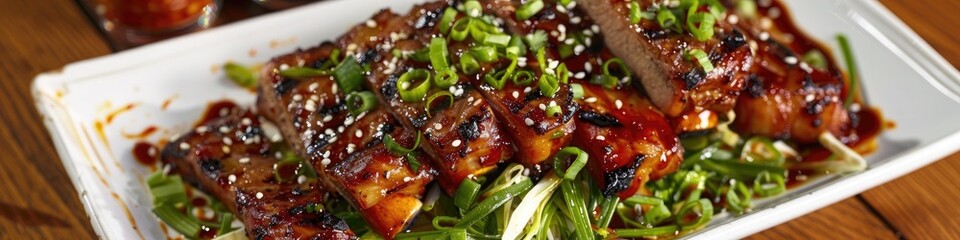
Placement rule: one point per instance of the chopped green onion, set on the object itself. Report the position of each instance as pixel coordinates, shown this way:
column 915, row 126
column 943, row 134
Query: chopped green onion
column 303, row 72
column 747, row 8
column 666, row 18
column 851, row 69
column 469, row 64
column 349, row 75
column 607, row 207
column 577, row 90
column 438, row 94
column 694, row 143
column 768, row 184
column 705, row 21
column 636, row 14
column 646, row 232
column 225, row 220
column 702, row 209
column 816, row 59
column 549, row 85
column 444, row 222
column 529, row 9
column 472, row 8
column 499, row 79
column 517, row 42
column 438, row 54
column 484, row 53
column 241, row 75
column 417, row 93
column 396, row 149
column 738, row 197
column 553, row 111
column 493, row 202
column 446, row 78
column 563, row 74
column 501, row 40
column 739, row 170
column 446, row 20
column 536, row 40
column 609, row 80
column 466, row 194
column 421, row 55
column 523, row 78
column 579, row 160
column 573, row 198
column 167, row 190
column 367, row 102
column 761, row 150
column 177, row 220
column 701, row 58
column 461, row 29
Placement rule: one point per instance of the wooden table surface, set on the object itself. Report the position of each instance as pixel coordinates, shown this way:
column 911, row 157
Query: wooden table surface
column 38, row 201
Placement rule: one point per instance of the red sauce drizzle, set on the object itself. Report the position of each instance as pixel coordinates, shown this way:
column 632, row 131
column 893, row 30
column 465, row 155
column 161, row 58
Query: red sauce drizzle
column 216, row 110
column 146, row 153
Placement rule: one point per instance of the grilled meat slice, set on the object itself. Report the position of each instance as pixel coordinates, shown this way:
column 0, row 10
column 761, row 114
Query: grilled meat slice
column 786, row 98
column 675, row 84
column 230, row 159
column 628, row 140
column 345, row 149
column 464, row 138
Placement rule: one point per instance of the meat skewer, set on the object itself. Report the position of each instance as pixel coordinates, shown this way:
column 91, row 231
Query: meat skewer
column 345, row 148
column 231, row 159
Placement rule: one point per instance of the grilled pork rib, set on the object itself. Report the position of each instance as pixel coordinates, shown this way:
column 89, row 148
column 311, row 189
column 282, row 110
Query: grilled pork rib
column 346, row 150
column 231, row 159
column 676, row 85
column 629, row 141
column 465, row 138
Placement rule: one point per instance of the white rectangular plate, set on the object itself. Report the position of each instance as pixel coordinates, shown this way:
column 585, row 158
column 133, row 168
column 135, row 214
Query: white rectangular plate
column 169, row 84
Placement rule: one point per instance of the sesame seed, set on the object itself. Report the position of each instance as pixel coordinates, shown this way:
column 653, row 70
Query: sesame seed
column 371, row 23
column 259, row 195
column 569, row 41
column 246, row 121
column 327, row 118
column 227, row 141
column 328, row 131
column 590, row 100
column 543, row 107
column 326, row 154
column 184, row 146
column 350, row 148
column 528, row 121
column 232, row 178
column 516, row 94
column 791, row 60
column 226, row 150
column 244, row 160
column 325, row 162
column 477, row 102
column 595, row 28
column 348, row 121
column 284, row 66
column 152, row 152
column 437, row 126
column 314, row 86
column 579, row 49
column 575, row 20
column 580, row 75
column 340, row 129
column 527, row 89
column 310, row 105
column 810, row 98
column 733, row 19
column 601, row 137
column 455, row 143
column 224, row 129
column 358, row 133
column 553, row 103
column 618, row 103
column 301, row 179
column 764, row 36
column 333, row 88
column 202, row 129
column 297, row 97
column 588, row 67
column 407, row 179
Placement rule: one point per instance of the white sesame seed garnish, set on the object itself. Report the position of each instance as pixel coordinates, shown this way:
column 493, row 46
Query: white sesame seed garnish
column 301, row 179
column 595, row 28
column 227, row 141
column 327, row 118
column 232, row 178
column 334, row 88
column 588, row 67
column 314, row 86
column 297, row 97
column 226, row 149
column 224, row 112
column 358, row 133
column 791, row 60
column 246, row 121
column 259, row 195
column 371, row 23
column 580, row 75
column 590, row 100
column 601, row 137
column 579, row 49
column 348, row 121
column 340, row 129
column 575, row 20
column 527, row 89
column 516, row 94
column 569, row 41
column 455, row 143
column 184, row 146
column 733, row 19
column 618, row 103
column 528, row 121
column 224, row 129
column 542, row 106
column 764, row 36
column 244, row 160
column 437, row 126
column 284, row 66
column 310, row 105
column 277, row 155
column 325, row 162
column 407, row 179
column 152, row 152
column 350, row 148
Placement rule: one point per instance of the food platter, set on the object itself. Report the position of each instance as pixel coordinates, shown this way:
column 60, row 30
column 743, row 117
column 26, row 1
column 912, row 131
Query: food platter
column 95, row 108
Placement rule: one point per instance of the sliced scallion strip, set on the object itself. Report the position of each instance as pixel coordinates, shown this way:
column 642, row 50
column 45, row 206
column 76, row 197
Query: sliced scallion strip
column 563, row 75
column 608, row 206
column 701, row 25
column 768, row 184
column 761, row 150
column 497, row 39
column 702, row 209
column 446, row 78
column 573, row 198
column 816, row 59
column 303, row 72
column 523, row 78
column 702, row 59
column 349, row 75
column 417, row 93
column 553, row 111
column 396, row 149
column 177, row 220
column 646, row 232
column 461, row 29
column 360, row 102
column 529, row 9
column 549, row 85
column 446, row 20
column 438, row 54
column 636, row 14
column 517, row 42
column 472, row 8
column 466, row 194
column 469, row 64
column 738, row 197
column 485, row 53
column 429, row 104
column 851, row 69
column 579, row 160
column 577, row 90
column 241, row 75
column 666, row 18
column 493, row 202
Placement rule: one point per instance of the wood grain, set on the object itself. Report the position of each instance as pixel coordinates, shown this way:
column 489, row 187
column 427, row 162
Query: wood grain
column 38, row 201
